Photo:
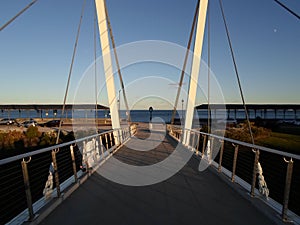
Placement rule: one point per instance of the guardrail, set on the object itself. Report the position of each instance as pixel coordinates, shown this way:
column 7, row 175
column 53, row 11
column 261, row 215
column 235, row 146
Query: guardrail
column 277, row 172
column 29, row 181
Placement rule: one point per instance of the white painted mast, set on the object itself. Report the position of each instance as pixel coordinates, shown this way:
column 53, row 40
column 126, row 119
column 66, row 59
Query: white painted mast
column 107, row 63
column 195, row 68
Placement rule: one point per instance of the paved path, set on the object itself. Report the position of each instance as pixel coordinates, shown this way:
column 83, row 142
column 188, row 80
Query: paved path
column 188, row 197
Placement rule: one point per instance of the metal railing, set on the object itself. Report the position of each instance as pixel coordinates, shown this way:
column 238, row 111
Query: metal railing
column 277, row 172
column 29, row 181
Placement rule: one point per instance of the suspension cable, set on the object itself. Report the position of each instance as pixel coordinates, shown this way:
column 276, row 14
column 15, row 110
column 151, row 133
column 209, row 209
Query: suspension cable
column 95, row 65
column 208, row 75
column 236, row 71
column 286, row 8
column 117, row 63
column 18, row 14
column 70, row 71
column 184, row 63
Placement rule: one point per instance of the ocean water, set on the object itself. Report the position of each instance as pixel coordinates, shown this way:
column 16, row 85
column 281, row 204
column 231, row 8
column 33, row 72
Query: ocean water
column 144, row 115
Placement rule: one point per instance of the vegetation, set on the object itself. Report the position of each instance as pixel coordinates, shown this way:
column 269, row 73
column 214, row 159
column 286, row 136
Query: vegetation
column 85, row 133
column 242, row 132
column 16, row 142
column 265, row 137
column 282, row 142
column 48, row 139
column 32, row 137
column 11, row 139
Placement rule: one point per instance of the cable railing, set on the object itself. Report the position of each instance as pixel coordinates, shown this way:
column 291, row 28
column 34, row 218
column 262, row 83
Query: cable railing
column 268, row 174
column 29, row 181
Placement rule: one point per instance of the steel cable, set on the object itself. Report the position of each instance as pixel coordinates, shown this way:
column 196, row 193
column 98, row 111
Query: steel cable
column 18, row 14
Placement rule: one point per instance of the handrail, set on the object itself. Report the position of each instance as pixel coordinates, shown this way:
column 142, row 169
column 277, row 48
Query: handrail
column 247, row 163
column 266, row 149
column 44, row 173
column 28, row 154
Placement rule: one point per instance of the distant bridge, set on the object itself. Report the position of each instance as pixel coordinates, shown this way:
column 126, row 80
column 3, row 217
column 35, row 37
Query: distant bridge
column 50, row 106
column 265, row 111
column 51, row 110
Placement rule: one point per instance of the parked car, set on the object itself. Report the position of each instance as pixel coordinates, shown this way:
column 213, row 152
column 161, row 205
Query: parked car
column 52, row 123
column 7, row 121
column 29, row 123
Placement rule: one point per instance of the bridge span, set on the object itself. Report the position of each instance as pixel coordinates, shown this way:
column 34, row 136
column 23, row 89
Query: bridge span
column 107, row 192
column 188, row 197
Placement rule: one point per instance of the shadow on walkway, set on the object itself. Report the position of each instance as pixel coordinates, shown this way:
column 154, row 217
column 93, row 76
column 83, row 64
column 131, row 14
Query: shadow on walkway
column 188, row 197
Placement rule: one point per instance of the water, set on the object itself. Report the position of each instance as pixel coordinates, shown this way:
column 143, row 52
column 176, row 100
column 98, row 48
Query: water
column 144, row 115
column 136, row 115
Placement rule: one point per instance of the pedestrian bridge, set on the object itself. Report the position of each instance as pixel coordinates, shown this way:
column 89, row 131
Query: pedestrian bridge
column 107, row 192
column 151, row 173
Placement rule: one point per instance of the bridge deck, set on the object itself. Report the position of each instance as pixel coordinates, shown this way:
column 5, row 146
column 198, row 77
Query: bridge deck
column 188, row 197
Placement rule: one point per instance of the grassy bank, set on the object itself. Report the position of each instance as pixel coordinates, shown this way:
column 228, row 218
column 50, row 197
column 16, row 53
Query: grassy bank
column 282, row 142
column 271, row 138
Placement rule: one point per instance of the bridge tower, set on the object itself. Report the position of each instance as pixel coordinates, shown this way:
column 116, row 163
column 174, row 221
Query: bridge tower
column 195, row 68
column 107, row 63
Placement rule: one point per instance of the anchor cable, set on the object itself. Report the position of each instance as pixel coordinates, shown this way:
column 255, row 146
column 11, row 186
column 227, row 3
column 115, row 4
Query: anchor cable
column 185, row 62
column 208, row 71
column 286, row 8
column 18, row 14
column 95, row 65
column 263, row 189
column 70, row 71
column 236, row 71
column 117, row 63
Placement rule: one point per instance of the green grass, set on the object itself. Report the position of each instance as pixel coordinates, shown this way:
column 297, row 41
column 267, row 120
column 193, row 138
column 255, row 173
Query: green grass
column 283, row 142
column 288, row 129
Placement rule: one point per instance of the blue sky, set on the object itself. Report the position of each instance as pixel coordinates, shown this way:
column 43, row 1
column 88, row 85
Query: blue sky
column 36, row 49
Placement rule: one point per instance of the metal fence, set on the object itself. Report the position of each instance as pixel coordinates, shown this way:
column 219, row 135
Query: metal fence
column 29, row 181
column 269, row 174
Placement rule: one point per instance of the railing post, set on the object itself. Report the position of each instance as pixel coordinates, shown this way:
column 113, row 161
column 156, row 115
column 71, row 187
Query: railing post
column 56, row 172
column 130, row 131
column 169, row 129
column 111, row 139
column 193, row 142
column 181, row 136
column 97, row 151
column 211, row 149
column 186, row 137
column 101, row 144
column 106, row 142
column 204, row 144
column 85, row 157
column 221, row 156
column 198, row 142
column 236, row 150
column 73, row 163
column 252, row 193
column 119, row 137
column 288, row 181
column 27, row 188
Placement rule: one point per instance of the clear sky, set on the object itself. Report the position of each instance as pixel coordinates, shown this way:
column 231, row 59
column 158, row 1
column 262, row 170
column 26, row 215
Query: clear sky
column 36, row 49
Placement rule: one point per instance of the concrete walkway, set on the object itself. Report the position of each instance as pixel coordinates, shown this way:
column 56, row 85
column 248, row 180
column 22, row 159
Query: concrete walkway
column 188, row 197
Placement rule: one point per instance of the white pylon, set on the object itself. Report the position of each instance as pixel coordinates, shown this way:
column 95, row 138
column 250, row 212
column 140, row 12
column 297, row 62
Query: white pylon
column 107, row 63
column 195, row 69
